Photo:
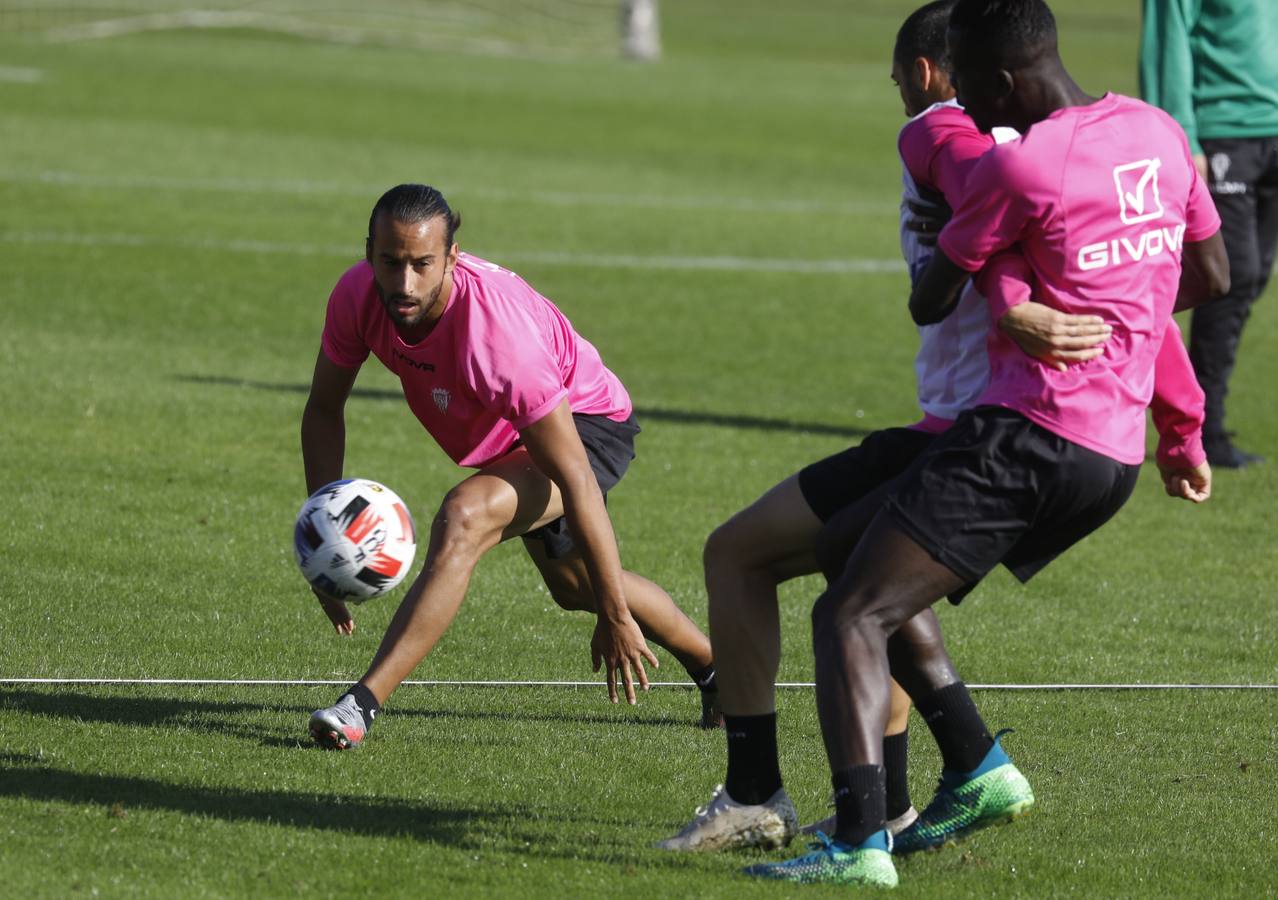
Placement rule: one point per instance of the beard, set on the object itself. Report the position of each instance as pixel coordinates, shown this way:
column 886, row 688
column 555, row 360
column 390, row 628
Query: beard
column 390, row 303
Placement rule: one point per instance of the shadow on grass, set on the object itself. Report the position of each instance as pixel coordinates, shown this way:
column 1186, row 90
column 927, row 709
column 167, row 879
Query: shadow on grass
column 149, row 710
column 569, row 834
column 523, row 715
column 223, row 718
column 677, row 416
column 215, row 717
column 387, row 817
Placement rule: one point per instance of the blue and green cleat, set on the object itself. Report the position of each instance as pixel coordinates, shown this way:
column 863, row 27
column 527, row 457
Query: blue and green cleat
column 993, row 793
column 833, row 862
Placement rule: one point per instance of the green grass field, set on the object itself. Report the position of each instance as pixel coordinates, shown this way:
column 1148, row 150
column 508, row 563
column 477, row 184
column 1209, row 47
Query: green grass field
column 175, row 206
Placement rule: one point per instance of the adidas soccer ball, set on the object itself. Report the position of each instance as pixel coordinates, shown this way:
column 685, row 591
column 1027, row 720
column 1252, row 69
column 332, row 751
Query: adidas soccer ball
column 354, row 540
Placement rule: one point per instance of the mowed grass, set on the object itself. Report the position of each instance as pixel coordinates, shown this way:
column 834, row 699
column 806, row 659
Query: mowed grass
column 175, row 207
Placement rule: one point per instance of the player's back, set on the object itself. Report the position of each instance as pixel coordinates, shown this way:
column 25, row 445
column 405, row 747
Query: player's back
column 1101, row 199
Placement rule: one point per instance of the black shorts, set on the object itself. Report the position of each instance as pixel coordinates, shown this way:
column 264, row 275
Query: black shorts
column 844, row 478
column 998, row 488
column 610, row 446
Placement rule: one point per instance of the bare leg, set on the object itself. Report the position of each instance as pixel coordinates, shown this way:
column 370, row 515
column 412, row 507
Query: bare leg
column 745, row 559
column 839, row 536
column 509, row 497
column 919, row 640
column 917, row 655
column 657, row 614
column 888, row 581
column 660, row 619
column 428, row 608
column 898, row 711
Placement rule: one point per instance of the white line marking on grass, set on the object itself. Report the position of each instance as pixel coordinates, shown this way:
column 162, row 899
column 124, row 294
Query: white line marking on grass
column 20, row 75
column 303, row 682
column 710, row 263
column 304, row 187
column 536, row 257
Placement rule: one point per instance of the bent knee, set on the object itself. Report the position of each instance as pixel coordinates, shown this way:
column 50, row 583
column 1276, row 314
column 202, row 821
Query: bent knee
column 742, row 545
column 569, row 589
column 464, row 523
column 578, row 600
column 722, row 547
column 833, row 614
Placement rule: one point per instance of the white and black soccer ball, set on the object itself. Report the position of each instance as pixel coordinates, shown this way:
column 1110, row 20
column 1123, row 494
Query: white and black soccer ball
column 354, row 540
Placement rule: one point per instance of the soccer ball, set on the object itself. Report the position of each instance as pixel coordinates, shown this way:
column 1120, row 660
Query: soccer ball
column 354, row 540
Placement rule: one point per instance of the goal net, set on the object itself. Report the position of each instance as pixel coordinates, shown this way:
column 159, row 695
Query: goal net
column 530, row 28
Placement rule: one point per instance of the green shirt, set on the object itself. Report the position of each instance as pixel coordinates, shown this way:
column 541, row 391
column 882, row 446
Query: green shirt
column 1213, row 65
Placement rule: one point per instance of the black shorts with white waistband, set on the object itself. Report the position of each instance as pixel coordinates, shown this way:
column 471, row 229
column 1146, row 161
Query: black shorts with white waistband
column 610, row 447
column 998, row 488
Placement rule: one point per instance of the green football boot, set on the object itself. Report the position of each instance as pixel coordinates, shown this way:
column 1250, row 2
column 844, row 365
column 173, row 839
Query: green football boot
column 833, row 862
column 991, row 794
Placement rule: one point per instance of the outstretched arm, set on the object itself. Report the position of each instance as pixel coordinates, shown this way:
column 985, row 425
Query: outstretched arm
column 324, row 448
column 555, row 448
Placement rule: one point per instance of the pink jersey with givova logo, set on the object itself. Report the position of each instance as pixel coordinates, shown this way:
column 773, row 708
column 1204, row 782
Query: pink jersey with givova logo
column 500, row 358
column 1101, row 198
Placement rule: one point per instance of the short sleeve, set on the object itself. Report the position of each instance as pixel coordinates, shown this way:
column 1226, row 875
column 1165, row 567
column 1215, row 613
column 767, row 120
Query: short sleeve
column 996, row 209
column 1201, row 217
column 341, row 341
column 513, row 367
column 939, row 151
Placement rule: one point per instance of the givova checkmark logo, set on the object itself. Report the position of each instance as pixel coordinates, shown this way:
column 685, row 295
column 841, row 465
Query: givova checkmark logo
column 1137, row 184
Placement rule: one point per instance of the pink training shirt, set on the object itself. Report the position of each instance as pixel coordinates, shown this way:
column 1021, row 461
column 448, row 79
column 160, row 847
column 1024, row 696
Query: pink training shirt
column 1101, row 198
column 1178, row 401
column 938, row 149
column 500, row 358
column 940, row 146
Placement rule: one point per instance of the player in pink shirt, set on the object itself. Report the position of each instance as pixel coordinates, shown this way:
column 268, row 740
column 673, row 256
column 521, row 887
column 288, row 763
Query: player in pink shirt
column 809, row 521
column 499, row 378
column 1004, row 484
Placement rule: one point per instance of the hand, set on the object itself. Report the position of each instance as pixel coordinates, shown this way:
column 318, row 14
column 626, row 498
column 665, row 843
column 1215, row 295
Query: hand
column 1186, row 483
column 928, row 217
column 1054, row 337
column 1200, row 163
column 337, row 613
column 621, row 646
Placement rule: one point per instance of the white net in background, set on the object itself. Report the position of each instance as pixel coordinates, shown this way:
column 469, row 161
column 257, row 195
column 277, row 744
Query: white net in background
column 522, row 28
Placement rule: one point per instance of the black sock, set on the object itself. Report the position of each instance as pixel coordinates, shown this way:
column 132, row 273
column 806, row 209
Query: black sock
column 704, row 678
column 754, row 774
column 895, row 763
column 365, row 702
column 860, row 800
column 959, row 730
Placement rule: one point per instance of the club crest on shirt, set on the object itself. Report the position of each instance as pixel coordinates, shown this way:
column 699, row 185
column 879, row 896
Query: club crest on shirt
column 442, row 396
column 1137, row 184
